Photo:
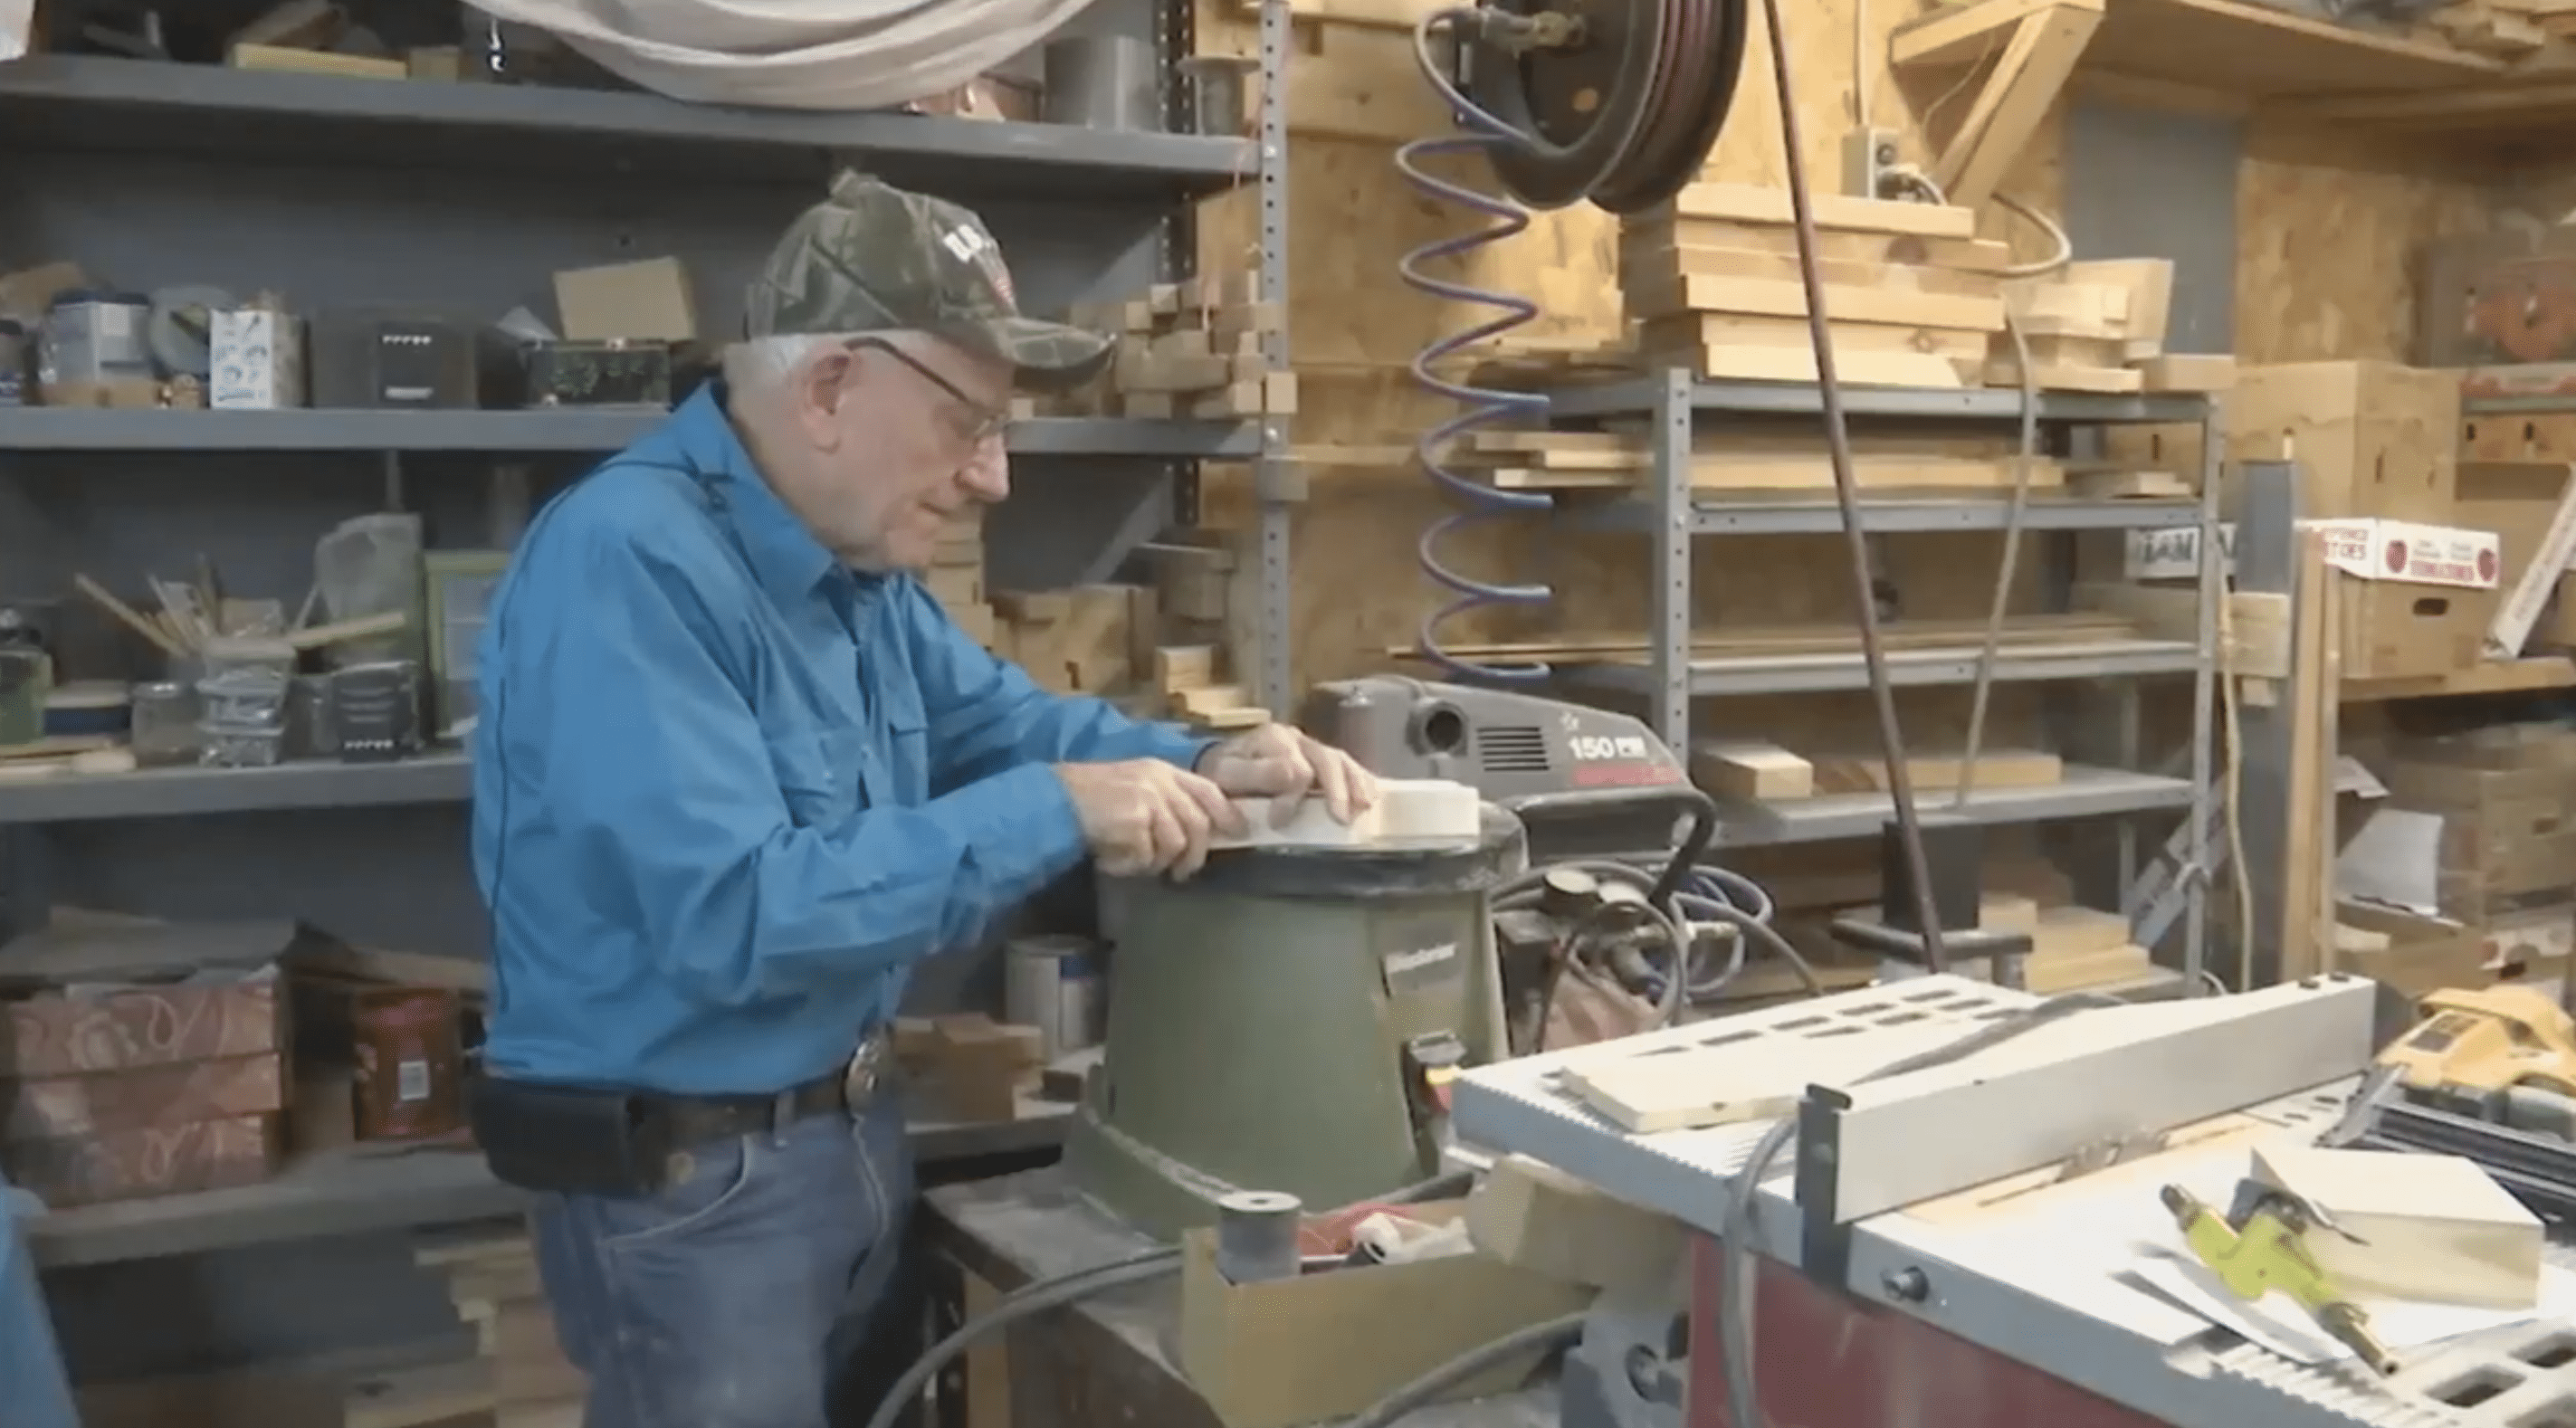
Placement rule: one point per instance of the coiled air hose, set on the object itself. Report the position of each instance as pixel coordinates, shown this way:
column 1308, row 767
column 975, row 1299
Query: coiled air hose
column 1483, row 405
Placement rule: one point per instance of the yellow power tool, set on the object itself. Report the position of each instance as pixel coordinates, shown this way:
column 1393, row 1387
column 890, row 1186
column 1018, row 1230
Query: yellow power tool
column 2491, row 1039
column 2263, row 1247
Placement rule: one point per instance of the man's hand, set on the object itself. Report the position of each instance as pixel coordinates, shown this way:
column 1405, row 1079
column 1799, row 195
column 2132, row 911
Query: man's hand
column 1282, row 763
column 1145, row 816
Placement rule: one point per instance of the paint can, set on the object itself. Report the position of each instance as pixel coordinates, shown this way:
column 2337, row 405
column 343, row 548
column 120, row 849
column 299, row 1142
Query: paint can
column 1220, row 99
column 1103, row 82
column 1053, row 983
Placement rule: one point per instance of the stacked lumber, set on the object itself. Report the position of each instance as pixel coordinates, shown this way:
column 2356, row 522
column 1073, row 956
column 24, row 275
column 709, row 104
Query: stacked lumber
column 2100, row 327
column 1784, row 459
column 518, row 1378
column 956, row 577
column 1186, row 349
column 1911, row 293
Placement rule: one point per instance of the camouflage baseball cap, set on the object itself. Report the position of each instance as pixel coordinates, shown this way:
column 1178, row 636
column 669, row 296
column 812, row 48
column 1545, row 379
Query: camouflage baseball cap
column 875, row 258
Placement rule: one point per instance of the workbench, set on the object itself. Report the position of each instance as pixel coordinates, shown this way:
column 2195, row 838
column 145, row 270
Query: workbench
column 1102, row 1361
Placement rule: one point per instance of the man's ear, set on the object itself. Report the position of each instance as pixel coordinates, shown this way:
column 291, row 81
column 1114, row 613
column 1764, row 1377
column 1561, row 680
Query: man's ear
column 822, row 385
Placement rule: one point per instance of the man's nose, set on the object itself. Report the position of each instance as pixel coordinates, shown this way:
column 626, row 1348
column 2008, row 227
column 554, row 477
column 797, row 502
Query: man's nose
column 988, row 473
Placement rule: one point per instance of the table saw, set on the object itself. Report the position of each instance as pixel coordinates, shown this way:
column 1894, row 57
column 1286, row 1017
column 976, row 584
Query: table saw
column 1940, row 1271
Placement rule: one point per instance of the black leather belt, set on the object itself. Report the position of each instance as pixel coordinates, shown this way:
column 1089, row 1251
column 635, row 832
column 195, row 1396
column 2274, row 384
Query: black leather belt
column 695, row 1120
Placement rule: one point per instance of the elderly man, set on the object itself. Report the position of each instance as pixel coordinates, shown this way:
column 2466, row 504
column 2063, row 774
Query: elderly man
column 736, row 773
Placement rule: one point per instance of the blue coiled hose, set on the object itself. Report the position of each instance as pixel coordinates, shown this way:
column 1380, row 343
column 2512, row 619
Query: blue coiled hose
column 1484, row 405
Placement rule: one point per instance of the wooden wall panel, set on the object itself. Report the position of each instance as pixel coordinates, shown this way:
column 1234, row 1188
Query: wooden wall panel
column 2327, row 227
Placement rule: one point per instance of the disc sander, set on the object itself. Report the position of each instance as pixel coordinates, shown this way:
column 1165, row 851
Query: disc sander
column 1622, row 116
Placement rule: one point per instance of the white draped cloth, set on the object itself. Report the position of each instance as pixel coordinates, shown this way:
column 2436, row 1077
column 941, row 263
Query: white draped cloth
column 791, row 54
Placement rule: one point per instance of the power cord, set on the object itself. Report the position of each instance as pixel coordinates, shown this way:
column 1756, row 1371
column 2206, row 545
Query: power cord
column 1735, row 1242
column 1548, row 1336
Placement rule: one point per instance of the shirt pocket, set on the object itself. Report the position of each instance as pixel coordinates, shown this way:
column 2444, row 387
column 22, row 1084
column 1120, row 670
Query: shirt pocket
column 907, row 765
column 818, row 774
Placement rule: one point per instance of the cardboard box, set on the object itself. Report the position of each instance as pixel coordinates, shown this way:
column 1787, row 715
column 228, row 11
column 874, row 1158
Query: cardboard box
column 2417, row 598
column 2374, row 441
column 255, row 360
column 2474, row 296
column 1329, row 1344
column 647, row 301
column 2516, row 500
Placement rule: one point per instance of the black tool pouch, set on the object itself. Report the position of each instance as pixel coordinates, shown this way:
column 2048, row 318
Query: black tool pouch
column 564, row 1140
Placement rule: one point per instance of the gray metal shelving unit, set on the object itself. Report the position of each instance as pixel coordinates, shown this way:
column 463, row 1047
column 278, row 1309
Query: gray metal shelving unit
column 466, row 197
column 594, row 431
column 1674, row 405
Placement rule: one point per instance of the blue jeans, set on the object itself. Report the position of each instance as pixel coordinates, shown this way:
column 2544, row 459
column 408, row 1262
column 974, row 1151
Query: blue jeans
column 34, row 1390
column 745, row 1292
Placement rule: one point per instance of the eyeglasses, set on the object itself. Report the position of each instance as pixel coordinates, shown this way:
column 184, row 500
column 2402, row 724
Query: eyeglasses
column 981, row 422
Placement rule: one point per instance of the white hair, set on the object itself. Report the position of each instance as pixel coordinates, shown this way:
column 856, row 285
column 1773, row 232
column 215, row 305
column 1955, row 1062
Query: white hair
column 763, row 361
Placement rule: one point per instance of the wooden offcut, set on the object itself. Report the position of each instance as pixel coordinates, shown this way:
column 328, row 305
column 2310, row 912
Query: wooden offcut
column 2429, row 1228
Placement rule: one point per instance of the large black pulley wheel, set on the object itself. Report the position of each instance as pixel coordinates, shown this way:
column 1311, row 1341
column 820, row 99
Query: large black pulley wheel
column 1623, row 114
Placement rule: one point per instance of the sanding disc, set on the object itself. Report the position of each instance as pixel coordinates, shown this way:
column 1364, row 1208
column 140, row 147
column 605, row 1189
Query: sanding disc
column 1624, row 115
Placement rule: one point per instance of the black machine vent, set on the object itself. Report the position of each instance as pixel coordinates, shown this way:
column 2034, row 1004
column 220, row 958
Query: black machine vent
column 1519, row 748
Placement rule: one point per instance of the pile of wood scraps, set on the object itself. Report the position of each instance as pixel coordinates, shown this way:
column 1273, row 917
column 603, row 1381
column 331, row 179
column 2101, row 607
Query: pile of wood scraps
column 191, row 614
column 2100, row 327
column 518, row 1378
column 969, row 1067
column 1187, row 349
column 1912, row 294
column 1161, row 650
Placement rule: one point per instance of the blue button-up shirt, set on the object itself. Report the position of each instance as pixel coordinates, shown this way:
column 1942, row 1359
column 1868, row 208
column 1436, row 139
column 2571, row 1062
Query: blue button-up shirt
column 728, row 791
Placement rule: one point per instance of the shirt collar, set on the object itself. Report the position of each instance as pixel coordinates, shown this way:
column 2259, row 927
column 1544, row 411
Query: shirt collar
column 783, row 555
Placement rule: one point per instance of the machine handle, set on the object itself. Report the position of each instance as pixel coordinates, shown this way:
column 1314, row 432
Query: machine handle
column 1694, row 844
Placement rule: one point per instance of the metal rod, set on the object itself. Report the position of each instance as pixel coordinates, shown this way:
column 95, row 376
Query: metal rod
column 1891, row 736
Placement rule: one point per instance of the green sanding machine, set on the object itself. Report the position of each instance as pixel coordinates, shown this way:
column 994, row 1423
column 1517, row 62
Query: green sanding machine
column 1288, row 1019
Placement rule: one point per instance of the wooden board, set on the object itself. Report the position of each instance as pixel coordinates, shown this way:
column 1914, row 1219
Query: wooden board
column 2264, row 53
column 2434, row 1228
column 1841, row 213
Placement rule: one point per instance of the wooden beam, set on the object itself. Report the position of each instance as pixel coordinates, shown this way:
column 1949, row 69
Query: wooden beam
column 2036, row 64
column 1964, row 34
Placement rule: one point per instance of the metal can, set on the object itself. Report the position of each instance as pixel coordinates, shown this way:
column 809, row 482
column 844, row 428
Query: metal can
column 13, row 363
column 95, row 337
column 1053, row 984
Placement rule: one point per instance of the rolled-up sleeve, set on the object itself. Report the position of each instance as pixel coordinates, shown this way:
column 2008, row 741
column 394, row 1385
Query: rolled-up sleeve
column 659, row 781
column 987, row 717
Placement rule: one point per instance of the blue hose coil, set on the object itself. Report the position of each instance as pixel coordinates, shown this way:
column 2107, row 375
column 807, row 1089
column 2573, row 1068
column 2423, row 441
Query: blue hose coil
column 1484, row 405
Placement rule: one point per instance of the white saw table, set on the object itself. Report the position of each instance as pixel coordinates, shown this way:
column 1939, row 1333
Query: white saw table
column 2027, row 1273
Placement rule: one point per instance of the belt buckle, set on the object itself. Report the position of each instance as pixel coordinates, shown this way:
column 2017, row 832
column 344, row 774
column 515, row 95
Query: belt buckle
column 859, row 1077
